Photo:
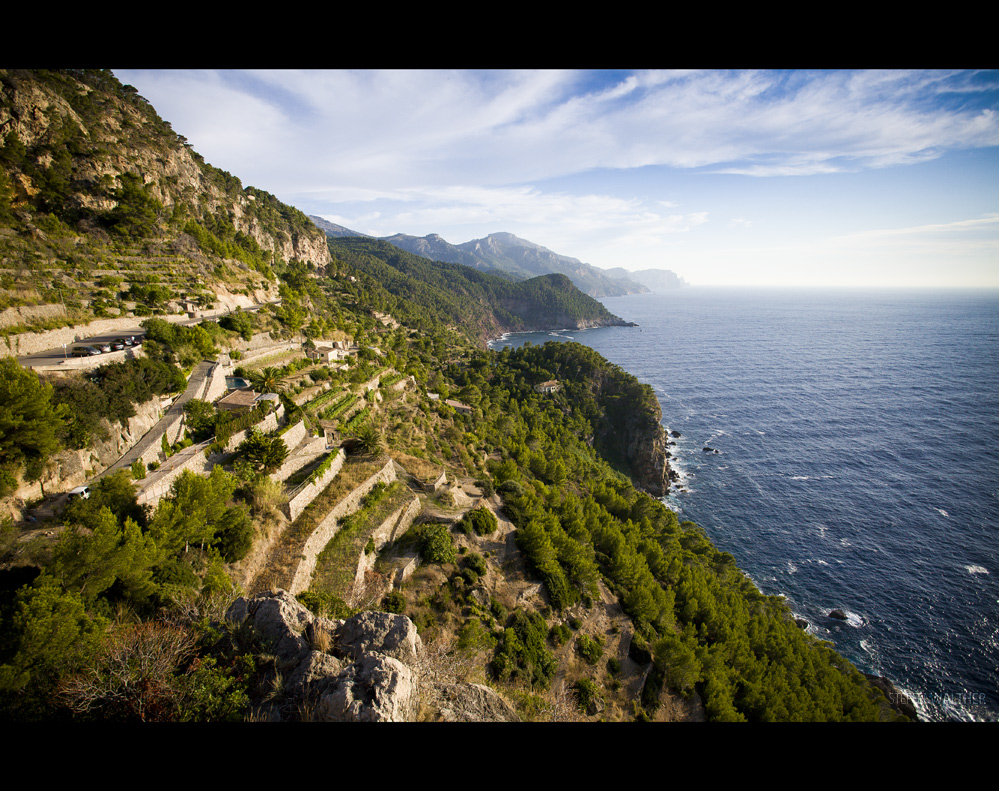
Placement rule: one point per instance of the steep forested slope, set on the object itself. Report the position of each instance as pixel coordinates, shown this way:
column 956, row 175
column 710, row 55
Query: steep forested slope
column 487, row 304
column 99, row 194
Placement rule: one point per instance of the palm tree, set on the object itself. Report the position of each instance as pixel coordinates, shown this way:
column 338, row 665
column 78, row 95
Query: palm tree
column 268, row 380
column 370, row 438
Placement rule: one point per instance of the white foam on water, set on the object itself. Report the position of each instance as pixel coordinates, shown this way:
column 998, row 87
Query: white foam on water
column 942, row 512
column 853, row 619
column 791, row 568
column 977, row 569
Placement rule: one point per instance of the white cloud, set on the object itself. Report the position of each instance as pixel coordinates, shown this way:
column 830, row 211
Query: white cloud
column 364, row 130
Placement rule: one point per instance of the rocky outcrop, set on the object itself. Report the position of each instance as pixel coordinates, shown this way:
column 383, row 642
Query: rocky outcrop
column 376, row 688
column 896, row 699
column 367, row 668
column 474, row 703
column 115, row 131
column 649, row 463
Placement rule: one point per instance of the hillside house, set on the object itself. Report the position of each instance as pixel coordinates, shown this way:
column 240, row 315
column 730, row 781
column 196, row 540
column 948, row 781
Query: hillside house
column 237, row 401
column 464, row 409
column 326, row 354
column 551, row 386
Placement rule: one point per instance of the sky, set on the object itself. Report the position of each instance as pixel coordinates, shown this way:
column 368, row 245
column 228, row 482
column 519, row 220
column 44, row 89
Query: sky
column 767, row 178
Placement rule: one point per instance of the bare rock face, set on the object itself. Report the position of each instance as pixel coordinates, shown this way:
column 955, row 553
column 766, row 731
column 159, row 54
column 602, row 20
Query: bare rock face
column 365, row 669
column 377, row 688
column 475, row 703
column 388, row 634
column 279, row 618
column 314, row 674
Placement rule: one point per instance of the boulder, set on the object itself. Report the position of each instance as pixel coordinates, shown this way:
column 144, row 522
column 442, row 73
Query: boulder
column 838, row 614
column 475, row 703
column 278, row 618
column 387, row 633
column 313, row 674
column 377, row 688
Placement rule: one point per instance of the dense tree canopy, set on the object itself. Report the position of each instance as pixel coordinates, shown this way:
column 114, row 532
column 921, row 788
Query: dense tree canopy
column 30, row 423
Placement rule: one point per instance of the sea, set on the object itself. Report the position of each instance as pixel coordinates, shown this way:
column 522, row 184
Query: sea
column 843, row 445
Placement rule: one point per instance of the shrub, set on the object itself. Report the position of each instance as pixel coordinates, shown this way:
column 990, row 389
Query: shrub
column 395, row 602
column 481, row 520
column 589, row 695
column 559, row 634
column 476, row 563
column 234, row 534
column 436, row 545
column 591, row 650
column 522, row 654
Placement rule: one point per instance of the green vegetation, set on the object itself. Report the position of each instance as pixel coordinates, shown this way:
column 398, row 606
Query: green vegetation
column 479, row 520
column 30, row 424
column 117, row 615
column 111, row 392
column 433, row 292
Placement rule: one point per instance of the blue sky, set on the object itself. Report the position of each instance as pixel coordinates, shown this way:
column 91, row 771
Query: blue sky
column 817, row 178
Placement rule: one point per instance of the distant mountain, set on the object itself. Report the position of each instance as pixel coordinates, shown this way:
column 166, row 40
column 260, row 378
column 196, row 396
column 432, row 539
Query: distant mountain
column 434, row 247
column 480, row 302
column 512, row 254
column 332, row 229
column 654, row 279
column 509, row 255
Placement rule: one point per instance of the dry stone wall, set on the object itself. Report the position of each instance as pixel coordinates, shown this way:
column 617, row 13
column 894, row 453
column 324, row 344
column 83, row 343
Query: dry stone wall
column 269, row 423
column 34, row 342
column 158, row 485
column 395, row 525
column 92, row 361
column 304, row 455
column 331, row 524
column 301, row 497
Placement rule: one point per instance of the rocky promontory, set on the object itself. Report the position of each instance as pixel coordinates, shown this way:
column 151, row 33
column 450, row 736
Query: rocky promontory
column 368, row 668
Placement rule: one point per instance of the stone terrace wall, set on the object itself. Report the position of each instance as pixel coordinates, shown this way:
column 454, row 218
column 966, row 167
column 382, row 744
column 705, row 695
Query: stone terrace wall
column 301, row 497
column 294, row 435
column 91, row 361
column 269, row 423
column 395, row 525
column 329, row 526
column 159, row 485
column 305, row 455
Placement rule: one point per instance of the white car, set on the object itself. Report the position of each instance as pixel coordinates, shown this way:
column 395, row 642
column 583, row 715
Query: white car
column 80, row 492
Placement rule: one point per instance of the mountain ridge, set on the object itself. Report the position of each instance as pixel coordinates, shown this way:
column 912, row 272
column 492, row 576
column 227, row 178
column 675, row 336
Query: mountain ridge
column 505, row 253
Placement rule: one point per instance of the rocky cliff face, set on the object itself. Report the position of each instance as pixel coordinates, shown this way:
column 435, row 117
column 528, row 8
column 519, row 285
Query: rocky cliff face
column 79, row 130
column 646, row 448
column 369, row 668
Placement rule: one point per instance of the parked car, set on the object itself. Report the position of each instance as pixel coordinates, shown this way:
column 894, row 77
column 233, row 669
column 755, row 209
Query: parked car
column 80, row 492
column 105, row 347
column 85, row 351
column 118, row 344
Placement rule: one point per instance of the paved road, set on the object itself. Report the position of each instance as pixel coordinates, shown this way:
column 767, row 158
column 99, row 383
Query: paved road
column 195, row 389
column 56, row 355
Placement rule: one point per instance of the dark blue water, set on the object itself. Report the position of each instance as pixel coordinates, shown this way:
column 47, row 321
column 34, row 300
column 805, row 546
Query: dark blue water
column 858, row 463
